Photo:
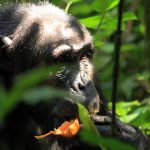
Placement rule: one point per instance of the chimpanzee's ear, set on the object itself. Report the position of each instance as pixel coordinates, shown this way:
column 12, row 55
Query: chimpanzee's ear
column 5, row 41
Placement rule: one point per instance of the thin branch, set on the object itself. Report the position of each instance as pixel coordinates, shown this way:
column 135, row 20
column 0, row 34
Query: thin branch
column 116, row 65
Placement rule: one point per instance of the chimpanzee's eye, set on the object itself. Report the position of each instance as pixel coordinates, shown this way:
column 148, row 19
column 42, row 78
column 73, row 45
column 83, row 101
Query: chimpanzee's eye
column 87, row 54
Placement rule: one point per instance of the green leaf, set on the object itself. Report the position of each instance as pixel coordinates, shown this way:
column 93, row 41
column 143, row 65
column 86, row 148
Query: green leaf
column 89, row 137
column 113, row 4
column 35, row 95
column 100, row 5
column 108, row 23
column 91, row 22
column 143, row 114
column 145, row 75
column 124, row 108
column 85, row 119
column 81, row 9
column 24, row 82
column 109, row 143
column 129, row 16
column 104, row 5
column 34, row 76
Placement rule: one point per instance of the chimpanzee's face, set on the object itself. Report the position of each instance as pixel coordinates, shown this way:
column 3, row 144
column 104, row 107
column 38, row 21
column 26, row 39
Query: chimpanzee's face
column 76, row 76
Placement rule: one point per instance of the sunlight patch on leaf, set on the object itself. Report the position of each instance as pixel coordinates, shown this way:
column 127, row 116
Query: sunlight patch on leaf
column 104, row 5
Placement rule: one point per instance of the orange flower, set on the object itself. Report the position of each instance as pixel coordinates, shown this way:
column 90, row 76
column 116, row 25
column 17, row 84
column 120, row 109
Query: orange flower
column 67, row 129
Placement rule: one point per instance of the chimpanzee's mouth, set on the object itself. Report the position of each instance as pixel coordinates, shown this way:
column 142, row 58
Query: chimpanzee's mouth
column 66, row 111
column 69, row 110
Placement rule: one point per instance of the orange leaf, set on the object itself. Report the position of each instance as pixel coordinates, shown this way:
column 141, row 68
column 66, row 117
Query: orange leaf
column 67, row 129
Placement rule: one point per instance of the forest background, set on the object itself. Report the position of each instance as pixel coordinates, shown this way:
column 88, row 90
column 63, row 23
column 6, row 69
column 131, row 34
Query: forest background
column 101, row 17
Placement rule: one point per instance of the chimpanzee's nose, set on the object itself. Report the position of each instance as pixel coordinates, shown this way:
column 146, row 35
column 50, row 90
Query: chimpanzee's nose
column 92, row 100
column 85, row 92
column 82, row 82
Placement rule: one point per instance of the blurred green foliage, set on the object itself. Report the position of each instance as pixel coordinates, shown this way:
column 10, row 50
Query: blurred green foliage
column 91, row 135
column 24, row 88
column 100, row 17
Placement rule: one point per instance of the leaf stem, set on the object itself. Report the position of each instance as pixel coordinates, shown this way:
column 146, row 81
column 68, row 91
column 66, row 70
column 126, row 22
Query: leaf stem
column 68, row 6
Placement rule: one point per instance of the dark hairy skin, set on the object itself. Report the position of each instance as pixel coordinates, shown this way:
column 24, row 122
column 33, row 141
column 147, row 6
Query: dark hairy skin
column 34, row 35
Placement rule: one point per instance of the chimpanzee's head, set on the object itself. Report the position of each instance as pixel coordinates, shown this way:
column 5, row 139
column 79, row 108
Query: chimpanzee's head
column 32, row 35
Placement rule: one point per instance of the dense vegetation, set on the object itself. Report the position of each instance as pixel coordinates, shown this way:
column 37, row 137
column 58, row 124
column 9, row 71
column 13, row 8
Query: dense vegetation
column 133, row 96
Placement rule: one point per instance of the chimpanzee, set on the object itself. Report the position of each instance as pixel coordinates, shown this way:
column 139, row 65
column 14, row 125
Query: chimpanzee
column 32, row 35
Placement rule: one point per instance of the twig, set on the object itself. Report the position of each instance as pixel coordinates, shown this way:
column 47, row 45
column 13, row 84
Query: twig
column 116, row 65
column 68, row 6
